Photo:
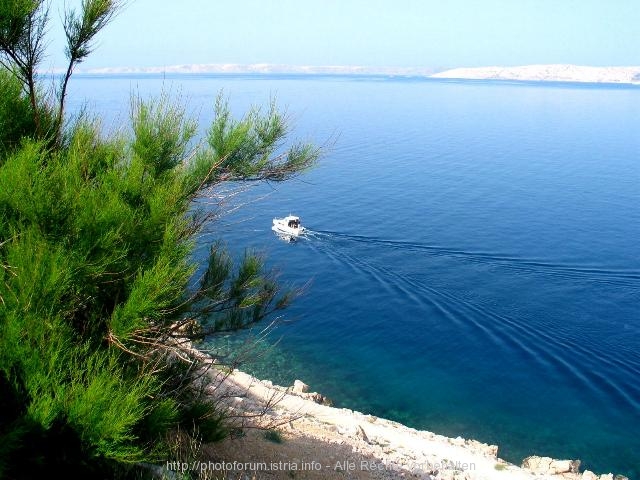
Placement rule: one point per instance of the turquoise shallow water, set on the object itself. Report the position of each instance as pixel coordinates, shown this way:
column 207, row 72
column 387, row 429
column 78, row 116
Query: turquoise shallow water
column 474, row 261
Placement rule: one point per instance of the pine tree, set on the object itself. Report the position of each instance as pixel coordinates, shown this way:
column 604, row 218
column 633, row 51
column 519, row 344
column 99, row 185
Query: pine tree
column 96, row 232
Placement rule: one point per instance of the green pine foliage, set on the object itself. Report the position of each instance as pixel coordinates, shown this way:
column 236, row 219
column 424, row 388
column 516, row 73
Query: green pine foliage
column 15, row 112
column 96, row 235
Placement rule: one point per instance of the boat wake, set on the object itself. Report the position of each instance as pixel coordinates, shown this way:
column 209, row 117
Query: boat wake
column 629, row 277
column 554, row 349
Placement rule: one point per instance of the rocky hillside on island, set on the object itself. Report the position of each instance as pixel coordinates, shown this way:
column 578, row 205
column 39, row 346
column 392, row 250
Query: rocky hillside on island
column 547, row 73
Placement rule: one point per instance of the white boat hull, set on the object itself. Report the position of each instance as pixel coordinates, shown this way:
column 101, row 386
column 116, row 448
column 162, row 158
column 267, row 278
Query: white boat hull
column 287, row 226
column 286, row 230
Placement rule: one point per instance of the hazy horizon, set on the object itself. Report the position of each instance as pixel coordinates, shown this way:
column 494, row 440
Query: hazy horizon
column 268, row 68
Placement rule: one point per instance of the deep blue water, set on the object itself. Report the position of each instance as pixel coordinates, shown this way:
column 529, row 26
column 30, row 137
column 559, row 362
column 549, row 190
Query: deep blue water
column 474, row 260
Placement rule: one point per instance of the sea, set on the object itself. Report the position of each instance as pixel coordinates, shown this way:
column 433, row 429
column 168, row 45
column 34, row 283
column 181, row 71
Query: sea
column 472, row 260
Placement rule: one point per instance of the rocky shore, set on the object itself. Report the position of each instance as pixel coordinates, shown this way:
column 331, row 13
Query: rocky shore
column 300, row 435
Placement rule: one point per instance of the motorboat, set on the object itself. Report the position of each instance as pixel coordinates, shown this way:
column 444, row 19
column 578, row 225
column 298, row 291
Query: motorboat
column 289, row 225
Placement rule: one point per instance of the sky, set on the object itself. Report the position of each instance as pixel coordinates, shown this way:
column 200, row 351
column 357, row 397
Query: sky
column 435, row 34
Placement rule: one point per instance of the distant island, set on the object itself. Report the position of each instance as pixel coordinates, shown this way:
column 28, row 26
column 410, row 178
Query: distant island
column 536, row 73
column 264, row 68
column 547, row 73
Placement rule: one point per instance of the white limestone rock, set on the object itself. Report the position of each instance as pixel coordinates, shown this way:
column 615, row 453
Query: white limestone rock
column 300, row 387
column 550, row 466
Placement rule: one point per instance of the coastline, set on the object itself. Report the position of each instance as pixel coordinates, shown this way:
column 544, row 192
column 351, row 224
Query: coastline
column 317, row 440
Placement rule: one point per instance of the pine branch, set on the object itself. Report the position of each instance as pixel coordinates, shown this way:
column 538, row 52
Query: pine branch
column 80, row 31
